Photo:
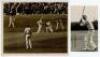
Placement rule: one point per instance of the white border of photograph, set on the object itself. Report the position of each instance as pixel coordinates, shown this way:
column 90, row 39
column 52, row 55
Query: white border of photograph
column 70, row 54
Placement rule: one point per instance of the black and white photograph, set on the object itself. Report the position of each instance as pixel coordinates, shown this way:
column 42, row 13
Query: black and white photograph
column 35, row 27
column 84, row 28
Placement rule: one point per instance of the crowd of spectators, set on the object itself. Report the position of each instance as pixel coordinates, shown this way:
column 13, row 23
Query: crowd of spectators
column 36, row 8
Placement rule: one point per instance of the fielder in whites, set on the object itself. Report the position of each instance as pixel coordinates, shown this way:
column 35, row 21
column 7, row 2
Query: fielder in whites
column 59, row 24
column 39, row 23
column 28, row 34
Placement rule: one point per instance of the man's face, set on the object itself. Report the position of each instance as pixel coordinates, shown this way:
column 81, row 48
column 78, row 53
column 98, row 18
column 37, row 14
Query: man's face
column 84, row 17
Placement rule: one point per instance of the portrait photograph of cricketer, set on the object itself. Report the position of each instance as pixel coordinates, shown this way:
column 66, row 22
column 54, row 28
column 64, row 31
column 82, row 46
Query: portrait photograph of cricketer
column 84, row 28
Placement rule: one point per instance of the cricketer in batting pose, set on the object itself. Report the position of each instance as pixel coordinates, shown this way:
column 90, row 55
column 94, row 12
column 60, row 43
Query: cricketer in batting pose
column 88, row 39
column 12, row 13
column 28, row 34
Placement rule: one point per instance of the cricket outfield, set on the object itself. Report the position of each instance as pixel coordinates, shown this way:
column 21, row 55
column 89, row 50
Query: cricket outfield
column 14, row 42
column 44, row 42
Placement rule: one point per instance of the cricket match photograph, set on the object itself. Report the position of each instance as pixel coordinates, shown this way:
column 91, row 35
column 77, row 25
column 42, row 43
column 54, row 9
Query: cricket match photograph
column 84, row 28
column 35, row 27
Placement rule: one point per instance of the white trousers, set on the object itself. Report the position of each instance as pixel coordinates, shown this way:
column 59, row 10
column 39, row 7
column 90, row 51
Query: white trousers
column 11, row 21
column 88, row 40
column 39, row 28
column 28, row 42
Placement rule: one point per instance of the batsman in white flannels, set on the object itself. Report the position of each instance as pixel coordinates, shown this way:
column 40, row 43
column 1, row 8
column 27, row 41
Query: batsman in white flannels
column 12, row 13
column 28, row 34
column 88, row 39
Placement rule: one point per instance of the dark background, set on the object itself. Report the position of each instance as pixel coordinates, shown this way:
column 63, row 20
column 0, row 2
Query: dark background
column 37, row 8
column 76, row 26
